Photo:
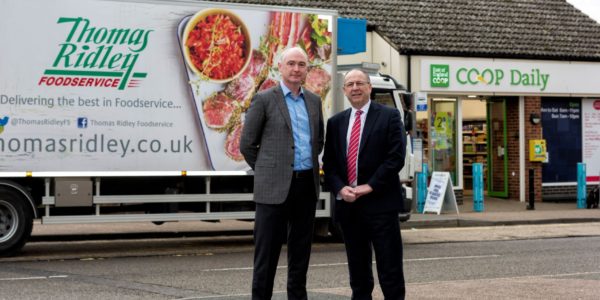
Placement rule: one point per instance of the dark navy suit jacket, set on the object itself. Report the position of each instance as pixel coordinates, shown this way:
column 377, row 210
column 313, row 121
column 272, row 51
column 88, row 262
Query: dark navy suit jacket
column 380, row 158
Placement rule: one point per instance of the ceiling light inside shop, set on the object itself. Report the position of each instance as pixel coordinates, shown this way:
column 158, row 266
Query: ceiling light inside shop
column 472, row 96
column 444, row 99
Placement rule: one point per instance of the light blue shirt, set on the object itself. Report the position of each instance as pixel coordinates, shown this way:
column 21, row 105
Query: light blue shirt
column 300, row 129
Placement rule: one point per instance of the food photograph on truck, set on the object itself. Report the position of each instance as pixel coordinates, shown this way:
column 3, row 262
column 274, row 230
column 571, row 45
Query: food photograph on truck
column 227, row 64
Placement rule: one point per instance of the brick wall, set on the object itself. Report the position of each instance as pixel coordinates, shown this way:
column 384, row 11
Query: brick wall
column 560, row 193
column 532, row 132
column 567, row 193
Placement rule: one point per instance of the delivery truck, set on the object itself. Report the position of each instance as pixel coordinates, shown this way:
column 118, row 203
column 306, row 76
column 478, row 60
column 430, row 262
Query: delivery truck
column 131, row 111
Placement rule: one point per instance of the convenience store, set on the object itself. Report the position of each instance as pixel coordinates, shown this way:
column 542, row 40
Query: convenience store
column 489, row 110
column 486, row 88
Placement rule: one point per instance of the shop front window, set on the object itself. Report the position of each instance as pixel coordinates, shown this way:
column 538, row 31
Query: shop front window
column 562, row 130
column 442, row 133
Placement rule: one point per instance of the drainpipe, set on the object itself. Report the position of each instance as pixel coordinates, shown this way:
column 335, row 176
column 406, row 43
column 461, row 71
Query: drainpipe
column 408, row 70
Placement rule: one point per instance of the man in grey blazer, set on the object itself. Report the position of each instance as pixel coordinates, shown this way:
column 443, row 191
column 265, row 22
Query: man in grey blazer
column 281, row 141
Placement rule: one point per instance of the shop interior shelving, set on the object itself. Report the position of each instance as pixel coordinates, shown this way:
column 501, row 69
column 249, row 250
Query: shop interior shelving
column 474, row 139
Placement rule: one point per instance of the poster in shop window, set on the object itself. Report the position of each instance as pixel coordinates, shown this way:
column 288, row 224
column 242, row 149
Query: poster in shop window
column 591, row 139
column 561, row 127
column 442, row 124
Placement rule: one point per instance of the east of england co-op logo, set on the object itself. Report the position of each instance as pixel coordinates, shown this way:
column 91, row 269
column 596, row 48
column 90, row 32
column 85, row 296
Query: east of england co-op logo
column 439, row 75
column 92, row 56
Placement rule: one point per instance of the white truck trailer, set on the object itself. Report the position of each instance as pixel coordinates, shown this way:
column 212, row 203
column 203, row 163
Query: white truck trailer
column 131, row 111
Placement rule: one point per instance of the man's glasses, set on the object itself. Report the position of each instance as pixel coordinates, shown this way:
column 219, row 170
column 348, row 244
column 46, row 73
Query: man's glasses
column 357, row 83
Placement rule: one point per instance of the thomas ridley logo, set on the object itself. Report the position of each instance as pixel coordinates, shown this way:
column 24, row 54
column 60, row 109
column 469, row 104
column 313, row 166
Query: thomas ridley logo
column 440, row 76
column 96, row 56
column 3, row 123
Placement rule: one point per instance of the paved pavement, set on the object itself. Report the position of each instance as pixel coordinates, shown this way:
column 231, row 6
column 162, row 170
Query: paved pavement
column 505, row 212
column 497, row 214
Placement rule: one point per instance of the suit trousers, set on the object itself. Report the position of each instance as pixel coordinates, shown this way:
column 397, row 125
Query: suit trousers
column 293, row 219
column 362, row 231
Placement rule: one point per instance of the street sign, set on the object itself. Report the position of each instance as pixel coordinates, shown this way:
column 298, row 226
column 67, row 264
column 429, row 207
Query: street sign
column 440, row 194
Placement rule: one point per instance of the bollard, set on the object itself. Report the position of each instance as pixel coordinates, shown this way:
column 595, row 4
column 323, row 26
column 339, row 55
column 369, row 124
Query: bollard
column 422, row 189
column 531, row 205
column 581, row 186
column 477, row 187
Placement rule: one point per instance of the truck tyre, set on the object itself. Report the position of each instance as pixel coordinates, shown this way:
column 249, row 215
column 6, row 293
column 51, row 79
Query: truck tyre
column 16, row 222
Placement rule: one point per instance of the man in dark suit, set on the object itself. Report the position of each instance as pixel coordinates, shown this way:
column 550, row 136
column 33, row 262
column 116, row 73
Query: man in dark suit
column 281, row 141
column 365, row 147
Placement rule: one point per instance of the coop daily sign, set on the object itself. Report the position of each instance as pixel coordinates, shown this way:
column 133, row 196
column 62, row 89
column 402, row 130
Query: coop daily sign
column 509, row 76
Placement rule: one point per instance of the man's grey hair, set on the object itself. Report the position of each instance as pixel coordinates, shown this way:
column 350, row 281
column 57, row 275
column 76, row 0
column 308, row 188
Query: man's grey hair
column 358, row 70
column 287, row 51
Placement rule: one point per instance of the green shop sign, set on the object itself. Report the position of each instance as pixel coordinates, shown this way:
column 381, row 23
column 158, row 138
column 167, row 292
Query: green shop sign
column 440, row 76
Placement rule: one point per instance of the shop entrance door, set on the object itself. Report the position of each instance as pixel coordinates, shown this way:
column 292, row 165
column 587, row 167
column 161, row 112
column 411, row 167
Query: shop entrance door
column 443, row 136
column 497, row 162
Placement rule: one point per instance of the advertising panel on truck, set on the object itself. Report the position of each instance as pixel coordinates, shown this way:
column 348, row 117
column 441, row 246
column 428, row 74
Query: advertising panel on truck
column 96, row 86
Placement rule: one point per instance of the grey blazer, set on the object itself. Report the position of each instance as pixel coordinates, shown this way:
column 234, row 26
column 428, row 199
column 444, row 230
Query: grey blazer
column 268, row 145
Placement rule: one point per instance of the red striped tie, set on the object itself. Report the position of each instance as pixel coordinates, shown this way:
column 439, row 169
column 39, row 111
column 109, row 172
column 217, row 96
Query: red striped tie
column 353, row 148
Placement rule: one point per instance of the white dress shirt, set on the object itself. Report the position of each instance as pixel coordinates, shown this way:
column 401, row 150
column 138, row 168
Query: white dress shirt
column 363, row 118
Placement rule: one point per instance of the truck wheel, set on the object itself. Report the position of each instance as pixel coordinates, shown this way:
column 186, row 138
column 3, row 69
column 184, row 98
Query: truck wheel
column 16, row 222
